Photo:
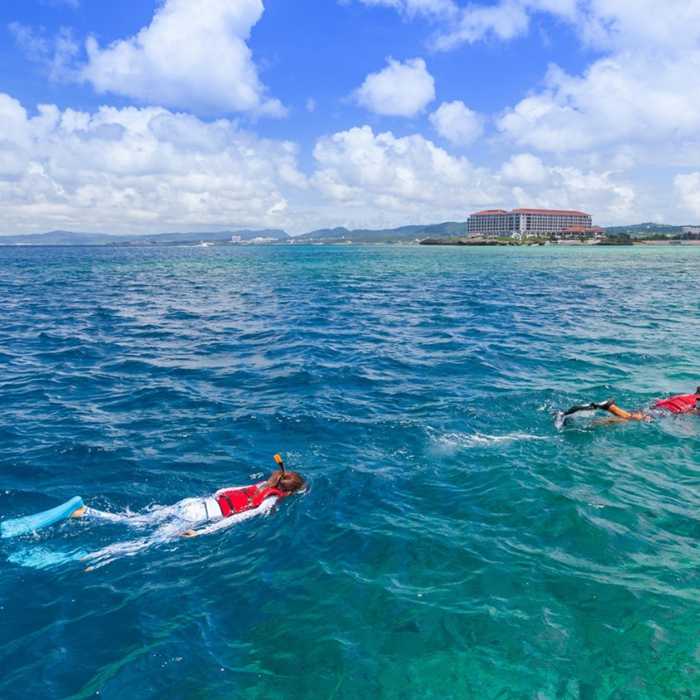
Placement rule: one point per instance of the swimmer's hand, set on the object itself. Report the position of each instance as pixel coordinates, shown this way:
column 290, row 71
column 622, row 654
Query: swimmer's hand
column 188, row 533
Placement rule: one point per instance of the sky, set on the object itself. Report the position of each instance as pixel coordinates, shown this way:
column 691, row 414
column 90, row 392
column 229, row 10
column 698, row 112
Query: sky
column 148, row 116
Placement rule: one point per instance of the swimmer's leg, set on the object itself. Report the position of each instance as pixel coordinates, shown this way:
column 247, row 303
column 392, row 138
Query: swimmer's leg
column 190, row 509
column 135, row 519
column 103, row 515
column 603, row 406
column 621, row 413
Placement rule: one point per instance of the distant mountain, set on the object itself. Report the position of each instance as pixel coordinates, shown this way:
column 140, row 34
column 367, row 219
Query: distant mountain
column 60, row 238
column 450, row 229
column 73, row 238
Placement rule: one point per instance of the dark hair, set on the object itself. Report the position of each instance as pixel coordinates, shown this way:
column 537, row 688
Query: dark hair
column 697, row 391
column 285, row 481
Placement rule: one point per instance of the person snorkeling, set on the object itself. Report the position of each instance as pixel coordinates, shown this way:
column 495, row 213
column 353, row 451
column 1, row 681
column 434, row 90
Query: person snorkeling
column 682, row 403
column 187, row 518
column 198, row 516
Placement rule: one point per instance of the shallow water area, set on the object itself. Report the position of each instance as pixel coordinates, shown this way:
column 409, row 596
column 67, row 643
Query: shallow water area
column 455, row 541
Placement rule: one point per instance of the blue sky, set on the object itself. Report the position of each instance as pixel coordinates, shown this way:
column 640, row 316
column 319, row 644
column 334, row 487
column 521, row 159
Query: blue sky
column 145, row 116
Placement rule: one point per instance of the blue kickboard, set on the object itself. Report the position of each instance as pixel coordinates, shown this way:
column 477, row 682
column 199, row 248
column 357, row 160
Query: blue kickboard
column 20, row 526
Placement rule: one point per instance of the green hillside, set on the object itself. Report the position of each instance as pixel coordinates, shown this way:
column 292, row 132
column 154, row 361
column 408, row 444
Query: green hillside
column 402, row 234
column 646, row 229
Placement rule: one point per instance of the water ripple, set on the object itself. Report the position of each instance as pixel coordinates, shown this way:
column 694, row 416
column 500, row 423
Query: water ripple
column 453, row 543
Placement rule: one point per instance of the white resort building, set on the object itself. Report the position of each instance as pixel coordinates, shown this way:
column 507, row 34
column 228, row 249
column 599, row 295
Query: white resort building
column 521, row 223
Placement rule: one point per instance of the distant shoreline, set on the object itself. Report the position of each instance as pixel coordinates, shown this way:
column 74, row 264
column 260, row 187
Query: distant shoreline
column 339, row 244
column 446, row 233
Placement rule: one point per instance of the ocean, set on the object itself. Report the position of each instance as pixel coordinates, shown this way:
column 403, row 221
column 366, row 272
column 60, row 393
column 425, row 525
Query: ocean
column 455, row 541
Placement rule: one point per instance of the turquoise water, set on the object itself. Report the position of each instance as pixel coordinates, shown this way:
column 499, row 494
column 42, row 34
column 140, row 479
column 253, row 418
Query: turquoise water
column 454, row 542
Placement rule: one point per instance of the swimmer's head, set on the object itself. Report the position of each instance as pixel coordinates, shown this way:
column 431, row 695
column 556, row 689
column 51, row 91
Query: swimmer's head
column 287, row 482
column 697, row 391
column 290, row 482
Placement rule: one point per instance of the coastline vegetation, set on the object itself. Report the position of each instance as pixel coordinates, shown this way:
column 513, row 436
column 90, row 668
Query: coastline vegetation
column 619, row 239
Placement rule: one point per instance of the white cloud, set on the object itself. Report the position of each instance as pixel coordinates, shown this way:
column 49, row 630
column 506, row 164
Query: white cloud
column 634, row 106
column 408, row 176
column 619, row 25
column 143, row 170
column 508, row 19
column 379, row 179
column 36, row 46
column 524, row 169
column 606, row 195
column 457, row 123
column 400, row 89
column 439, row 8
column 639, row 104
column 127, row 170
column 193, row 55
column 612, row 25
column 688, row 190
column 56, row 53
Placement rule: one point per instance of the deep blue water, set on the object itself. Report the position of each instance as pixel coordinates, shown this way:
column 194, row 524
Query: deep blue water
column 454, row 542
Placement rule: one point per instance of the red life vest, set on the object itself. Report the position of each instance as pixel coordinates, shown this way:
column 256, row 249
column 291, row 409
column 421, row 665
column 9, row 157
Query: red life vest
column 244, row 498
column 679, row 404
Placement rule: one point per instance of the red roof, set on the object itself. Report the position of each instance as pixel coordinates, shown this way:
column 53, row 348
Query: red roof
column 548, row 211
column 585, row 228
column 486, row 212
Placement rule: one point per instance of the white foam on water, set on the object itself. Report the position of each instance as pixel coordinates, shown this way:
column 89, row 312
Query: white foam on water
column 459, row 440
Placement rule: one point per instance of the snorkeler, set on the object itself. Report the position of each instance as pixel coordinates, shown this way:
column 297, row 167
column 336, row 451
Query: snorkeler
column 683, row 403
column 198, row 516
column 187, row 518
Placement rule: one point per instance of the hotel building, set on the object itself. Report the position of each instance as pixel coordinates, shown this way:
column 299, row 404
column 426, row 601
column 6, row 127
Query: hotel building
column 520, row 223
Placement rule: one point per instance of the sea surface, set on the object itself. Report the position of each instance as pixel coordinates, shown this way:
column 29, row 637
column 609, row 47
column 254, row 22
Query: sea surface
column 455, row 541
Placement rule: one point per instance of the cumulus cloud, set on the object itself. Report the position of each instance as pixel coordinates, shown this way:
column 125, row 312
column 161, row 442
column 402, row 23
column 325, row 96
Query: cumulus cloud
column 505, row 21
column 632, row 99
column 400, row 89
column 408, row 179
column 607, row 195
column 457, row 123
column 126, row 170
column 634, row 105
column 524, row 169
column 611, row 25
column 688, row 191
column 193, row 55
column 137, row 170
column 358, row 168
column 619, row 25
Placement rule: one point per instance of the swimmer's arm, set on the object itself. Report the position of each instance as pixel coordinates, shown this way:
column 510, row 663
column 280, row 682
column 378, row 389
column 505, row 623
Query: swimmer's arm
column 229, row 488
column 263, row 509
